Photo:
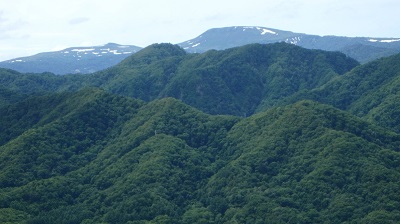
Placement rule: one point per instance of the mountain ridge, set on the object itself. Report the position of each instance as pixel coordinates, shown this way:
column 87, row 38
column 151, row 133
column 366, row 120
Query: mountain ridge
column 168, row 162
column 235, row 81
column 94, row 58
column 363, row 49
column 73, row 59
column 313, row 139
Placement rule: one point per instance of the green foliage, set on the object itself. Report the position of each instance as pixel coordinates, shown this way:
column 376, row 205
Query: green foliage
column 237, row 81
column 369, row 91
column 19, row 117
column 63, row 215
column 298, row 161
column 59, row 136
column 91, row 156
column 9, row 216
column 8, row 97
column 108, row 159
column 38, row 83
column 242, row 80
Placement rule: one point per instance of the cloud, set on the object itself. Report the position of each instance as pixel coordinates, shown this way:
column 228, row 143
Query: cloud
column 79, row 20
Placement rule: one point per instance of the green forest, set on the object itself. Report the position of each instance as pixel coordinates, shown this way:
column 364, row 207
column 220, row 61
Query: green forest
column 264, row 133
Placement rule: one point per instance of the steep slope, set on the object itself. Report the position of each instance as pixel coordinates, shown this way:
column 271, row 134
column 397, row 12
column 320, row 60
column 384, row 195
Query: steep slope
column 254, row 77
column 236, row 81
column 166, row 162
column 363, row 49
column 163, row 156
column 19, row 117
column 306, row 163
column 369, row 91
column 72, row 60
column 8, row 97
column 149, row 169
column 53, row 135
column 143, row 75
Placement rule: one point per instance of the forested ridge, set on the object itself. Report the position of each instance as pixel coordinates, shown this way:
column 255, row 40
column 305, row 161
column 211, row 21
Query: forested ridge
column 236, row 81
column 256, row 134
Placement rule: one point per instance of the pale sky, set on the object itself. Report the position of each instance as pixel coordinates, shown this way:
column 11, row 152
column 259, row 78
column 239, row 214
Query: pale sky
column 28, row 27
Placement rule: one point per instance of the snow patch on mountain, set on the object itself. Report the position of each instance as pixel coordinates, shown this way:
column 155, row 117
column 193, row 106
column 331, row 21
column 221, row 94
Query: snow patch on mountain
column 98, row 51
column 265, row 31
column 195, row 45
column 72, row 60
column 383, row 41
column 18, row 60
column 262, row 30
column 114, row 52
column 294, row 40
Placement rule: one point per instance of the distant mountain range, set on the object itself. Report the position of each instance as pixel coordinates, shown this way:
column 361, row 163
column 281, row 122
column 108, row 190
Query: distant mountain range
column 73, row 60
column 363, row 49
column 95, row 58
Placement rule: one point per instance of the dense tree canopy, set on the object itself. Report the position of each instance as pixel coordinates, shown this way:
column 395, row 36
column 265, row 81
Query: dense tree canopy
column 237, row 81
column 134, row 144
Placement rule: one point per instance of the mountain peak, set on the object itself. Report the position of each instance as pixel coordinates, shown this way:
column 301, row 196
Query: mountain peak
column 227, row 37
column 155, row 52
column 111, row 44
column 362, row 49
column 262, row 30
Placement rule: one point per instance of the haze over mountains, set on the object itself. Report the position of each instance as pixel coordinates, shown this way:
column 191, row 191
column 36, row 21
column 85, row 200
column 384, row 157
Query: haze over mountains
column 90, row 59
column 261, row 133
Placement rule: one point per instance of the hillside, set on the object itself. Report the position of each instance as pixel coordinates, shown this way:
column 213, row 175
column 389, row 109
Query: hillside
column 305, row 163
column 307, row 136
column 236, row 81
column 369, row 91
column 90, row 148
column 363, row 49
column 101, row 158
column 255, row 134
column 72, row 60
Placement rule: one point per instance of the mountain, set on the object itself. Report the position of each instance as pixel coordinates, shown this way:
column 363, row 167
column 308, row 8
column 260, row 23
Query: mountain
column 369, row 91
column 95, row 157
column 236, row 81
column 363, row 49
column 304, row 163
column 95, row 58
column 106, row 136
column 72, row 60
column 274, row 133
